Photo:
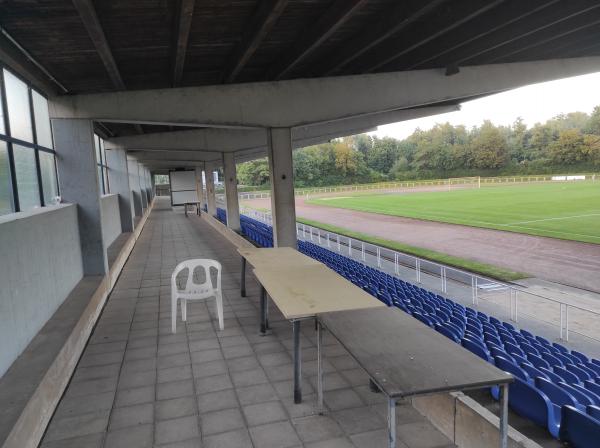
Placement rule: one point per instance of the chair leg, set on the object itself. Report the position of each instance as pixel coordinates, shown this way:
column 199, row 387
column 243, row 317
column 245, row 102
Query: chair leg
column 184, row 310
column 219, row 299
column 173, row 314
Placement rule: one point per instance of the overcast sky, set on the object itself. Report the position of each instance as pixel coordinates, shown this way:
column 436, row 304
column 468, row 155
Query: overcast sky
column 534, row 103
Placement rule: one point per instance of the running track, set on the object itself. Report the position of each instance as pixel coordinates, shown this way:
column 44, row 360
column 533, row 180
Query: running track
column 567, row 262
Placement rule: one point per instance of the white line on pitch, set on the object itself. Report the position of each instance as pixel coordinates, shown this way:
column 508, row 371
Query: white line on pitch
column 552, row 219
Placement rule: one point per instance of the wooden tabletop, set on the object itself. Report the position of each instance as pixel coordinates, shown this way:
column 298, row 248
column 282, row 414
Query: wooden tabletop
column 276, row 257
column 304, row 291
column 405, row 357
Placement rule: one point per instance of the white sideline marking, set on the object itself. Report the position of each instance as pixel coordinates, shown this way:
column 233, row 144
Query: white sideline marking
column 552, row 219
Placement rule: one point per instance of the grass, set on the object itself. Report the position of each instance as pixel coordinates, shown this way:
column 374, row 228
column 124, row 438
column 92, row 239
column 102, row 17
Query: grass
column 461, row 263
column 568, row 211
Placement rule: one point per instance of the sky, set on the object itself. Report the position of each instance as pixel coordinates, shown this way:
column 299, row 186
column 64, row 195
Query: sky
column 535, row 104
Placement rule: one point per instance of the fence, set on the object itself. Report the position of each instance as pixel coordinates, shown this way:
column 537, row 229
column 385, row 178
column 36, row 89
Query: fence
column 450, row 184
column 502, row 299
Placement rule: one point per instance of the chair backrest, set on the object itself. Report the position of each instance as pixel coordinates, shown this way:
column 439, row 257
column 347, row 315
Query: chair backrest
column 567, row 376
column 534, row 372
column 594, row 412
column 557, row 395
column 578, row 428
column 593, row 386
column 510, row 367
column 538, row 361
column 550, row 374
column 449, row 333
column 582, row 396
column 529, row 402
column 580, row 373
column 476, row 348
column 551, row 359
column 191, row 266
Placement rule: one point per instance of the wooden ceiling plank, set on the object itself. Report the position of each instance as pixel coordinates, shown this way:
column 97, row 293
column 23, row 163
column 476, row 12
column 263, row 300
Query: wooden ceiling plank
column 92, row 25
column 336, row 15
column 183, row 26
column 259, row 26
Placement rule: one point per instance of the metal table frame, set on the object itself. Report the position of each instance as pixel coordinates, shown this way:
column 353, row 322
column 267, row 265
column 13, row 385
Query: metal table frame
column 391, row 401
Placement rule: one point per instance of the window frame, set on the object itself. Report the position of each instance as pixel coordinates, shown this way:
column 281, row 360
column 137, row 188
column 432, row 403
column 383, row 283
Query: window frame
column 103, row 183
column 34, row 146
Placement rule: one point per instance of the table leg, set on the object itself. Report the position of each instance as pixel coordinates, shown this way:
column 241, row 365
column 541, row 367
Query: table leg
column 263, row 311
column 243, row 279
column 297, row 363
column 320, row 368
column 504, row 416
column 391, row 423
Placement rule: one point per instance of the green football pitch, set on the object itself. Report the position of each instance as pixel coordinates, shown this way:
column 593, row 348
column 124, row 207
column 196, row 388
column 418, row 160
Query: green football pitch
column 558, row 210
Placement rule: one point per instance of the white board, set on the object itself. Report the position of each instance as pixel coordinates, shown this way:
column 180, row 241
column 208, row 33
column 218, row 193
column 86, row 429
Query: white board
column 183, row 187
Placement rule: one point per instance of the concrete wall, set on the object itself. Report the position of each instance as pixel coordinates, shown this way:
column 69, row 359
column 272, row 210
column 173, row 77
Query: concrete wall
column 40, row 263
column 111, row 218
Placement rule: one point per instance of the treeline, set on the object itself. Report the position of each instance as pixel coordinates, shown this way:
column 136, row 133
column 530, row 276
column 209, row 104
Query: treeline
column 566, row 143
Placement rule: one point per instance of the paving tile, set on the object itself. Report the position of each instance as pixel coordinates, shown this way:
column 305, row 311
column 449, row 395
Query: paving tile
column 177, row 429
column 79, row 425
column 206, row 355
column 274, row 435
column 138, row 414
column 243, row 363
column 129, row 380
column 215, row 401
column 256, row 394
column 137, row 395
column 196, row 442
column 88, row 441
column 177, row 373
column 239, row 438
column 222, row 421
column 73, row 406
column 174, row 408
column 421, row 435
column 249, row 377
column 357, row 420
column 374, row 439
column 137, row 436
column 340, row 442
column 317, row 427
column 213, row 384
column 209, row 368
column 174, row 389
column 261, row 413
column 342, row 399
column 178, row 359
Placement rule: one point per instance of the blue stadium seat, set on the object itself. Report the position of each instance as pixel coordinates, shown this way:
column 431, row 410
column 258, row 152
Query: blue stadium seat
column 508, row 366
column 579, row 429
column 567, row 376
column 531, row 403
column 476, row 349
column 593, row 411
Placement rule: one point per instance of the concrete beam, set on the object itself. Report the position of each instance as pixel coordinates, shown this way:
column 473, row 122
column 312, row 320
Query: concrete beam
column 203, row 144
column 200, row 185
column 78, row 177
column 118, row 178
column 305, row 101
column 281, row 169
column 211, row 202
column 231, row 192
column 134, row 184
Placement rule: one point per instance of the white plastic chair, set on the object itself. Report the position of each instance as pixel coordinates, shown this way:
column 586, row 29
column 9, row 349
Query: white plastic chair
column 195, row 291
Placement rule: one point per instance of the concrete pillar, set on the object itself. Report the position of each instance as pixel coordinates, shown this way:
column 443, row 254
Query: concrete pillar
column 78, row 176
column 283, row 207
column 231, row 192
column 200, row 186
column 142, row 187
column 211, row 202
column 118, row 177
column 134, row 184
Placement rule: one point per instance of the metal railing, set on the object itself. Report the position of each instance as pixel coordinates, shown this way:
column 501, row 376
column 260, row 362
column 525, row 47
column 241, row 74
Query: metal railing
column 503, row 298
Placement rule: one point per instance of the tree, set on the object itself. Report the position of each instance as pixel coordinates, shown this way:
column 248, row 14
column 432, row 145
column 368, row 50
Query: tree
column 593, row 124
column 568, row 149
column 591, row 148
column 255, row 172
column 383, row 154
column 489, row 147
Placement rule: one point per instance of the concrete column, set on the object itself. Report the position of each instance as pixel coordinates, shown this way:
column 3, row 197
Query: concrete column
column 118, row 177
column 142, row 187
column 231, row 192
column 200, row 186
column 134, row 184
column 78, row 176
column 211, row 202
column 283, row 207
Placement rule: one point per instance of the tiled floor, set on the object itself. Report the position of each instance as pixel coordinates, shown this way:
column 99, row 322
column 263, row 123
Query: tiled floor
column 138, row 385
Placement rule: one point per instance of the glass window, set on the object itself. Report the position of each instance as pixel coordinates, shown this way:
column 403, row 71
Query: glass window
column 2, row 129
column 27, row 182
column 48, row 170
column 97, row 146
column 42, row 120
column 6, row 201
column 19, row 115
column 100, row 185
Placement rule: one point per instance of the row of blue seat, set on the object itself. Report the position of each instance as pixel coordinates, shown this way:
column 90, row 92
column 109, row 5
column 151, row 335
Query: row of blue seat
column 551, row 380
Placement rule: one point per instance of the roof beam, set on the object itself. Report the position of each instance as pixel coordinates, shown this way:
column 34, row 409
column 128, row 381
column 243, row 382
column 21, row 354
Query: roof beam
column 336, row 15
column 87, row 13
column 559, row 13
column 512, row 12
column 300, row 102
column 261, row 23
column 462, row 12
column 183, row 25
column 391, row 22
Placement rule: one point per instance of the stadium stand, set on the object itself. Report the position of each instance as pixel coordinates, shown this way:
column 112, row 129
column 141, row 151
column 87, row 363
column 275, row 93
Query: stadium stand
column 554, row 387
